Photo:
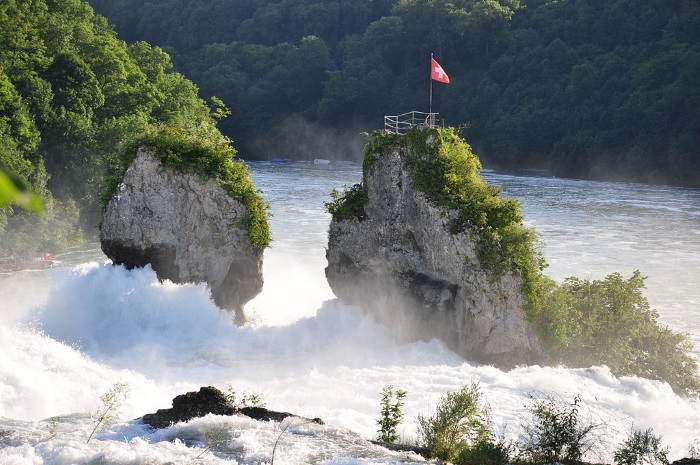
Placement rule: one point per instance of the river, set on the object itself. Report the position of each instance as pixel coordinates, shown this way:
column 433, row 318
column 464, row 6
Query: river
column 72, row 333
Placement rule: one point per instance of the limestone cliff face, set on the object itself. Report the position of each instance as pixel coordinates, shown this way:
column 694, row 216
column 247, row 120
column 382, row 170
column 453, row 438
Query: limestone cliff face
column 187, row 229
column 400, row 261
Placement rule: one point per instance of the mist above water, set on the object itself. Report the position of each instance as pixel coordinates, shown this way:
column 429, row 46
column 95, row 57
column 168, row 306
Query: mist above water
column 78, row 329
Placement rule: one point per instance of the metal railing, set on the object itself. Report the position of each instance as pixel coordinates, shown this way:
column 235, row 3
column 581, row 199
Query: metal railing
column 400, row 124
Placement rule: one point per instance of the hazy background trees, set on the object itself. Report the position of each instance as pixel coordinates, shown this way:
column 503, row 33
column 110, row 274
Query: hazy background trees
column 593, row 88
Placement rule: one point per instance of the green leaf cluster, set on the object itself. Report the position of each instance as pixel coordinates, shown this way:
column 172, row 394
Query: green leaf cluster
column 610, row 321
column 348, row 203
column 391, row 414
column 460, row 422
column 557, row 434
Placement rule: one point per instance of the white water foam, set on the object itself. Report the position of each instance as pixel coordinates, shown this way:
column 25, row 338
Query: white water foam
column 71, row 333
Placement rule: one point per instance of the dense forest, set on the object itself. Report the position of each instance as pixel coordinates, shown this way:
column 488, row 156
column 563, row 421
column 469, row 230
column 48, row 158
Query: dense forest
column 586, row 88
column 72, row 95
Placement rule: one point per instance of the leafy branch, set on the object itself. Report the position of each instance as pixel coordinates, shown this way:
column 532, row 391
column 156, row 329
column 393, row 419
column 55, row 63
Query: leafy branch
column 109, row 411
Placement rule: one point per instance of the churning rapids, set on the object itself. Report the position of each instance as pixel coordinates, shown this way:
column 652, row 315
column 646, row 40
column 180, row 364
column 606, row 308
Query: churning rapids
column 67, row 335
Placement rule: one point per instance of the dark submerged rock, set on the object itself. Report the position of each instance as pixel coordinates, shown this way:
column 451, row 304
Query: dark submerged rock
column 191, row 405
column 211, row 400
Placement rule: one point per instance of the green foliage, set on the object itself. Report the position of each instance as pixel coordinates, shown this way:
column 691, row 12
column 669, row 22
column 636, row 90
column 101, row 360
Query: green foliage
column 641, row 448
column 246, row 399
column 13, row 191
column 446, row 169
column 486, row 452
column 45, row 224
column 460, row 422
column 610, row 321
column 556, row 434
column 71, row 97
column 108, row 412
column 349, row 203
column 391, row 414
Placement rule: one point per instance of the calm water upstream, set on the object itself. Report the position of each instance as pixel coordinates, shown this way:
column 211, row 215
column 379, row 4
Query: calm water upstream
column 69, row 334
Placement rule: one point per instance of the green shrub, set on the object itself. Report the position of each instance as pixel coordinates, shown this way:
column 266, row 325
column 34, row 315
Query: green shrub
column 460, row 422
column 556, row 433
column 485, row 452
column 610, row 321
column 349, row 203
column 391, row 414
column 641, row 448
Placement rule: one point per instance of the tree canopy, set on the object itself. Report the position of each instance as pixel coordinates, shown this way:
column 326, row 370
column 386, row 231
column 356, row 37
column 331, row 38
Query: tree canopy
column 583, row 88
column 71, row 94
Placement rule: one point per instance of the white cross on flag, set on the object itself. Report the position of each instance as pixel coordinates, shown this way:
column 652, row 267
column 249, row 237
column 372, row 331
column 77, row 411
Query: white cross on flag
column 437, row 73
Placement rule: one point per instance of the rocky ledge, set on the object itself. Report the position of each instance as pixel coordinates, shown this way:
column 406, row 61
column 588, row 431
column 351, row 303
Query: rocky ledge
column 395, row 256
column 188, row 229
column 210, row 400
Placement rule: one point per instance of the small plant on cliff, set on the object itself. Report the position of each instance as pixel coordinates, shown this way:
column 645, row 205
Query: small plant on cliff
column 460, row 422
column 391, row 414
column 244, row 400
column 349, row 203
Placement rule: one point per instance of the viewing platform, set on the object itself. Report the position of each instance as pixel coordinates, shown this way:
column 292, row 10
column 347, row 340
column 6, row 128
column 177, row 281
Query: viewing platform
column 400, row 124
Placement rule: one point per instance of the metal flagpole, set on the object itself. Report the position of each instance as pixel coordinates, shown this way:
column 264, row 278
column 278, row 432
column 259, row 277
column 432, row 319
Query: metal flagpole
column 430, row 111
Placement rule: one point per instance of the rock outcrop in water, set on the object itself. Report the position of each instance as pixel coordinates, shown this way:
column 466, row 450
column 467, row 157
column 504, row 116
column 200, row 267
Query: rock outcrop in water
column 210, row 400
column 188, row 229
column 391, row 251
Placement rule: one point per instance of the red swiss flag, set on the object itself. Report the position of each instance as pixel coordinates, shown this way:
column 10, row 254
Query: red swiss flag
column 437, row 73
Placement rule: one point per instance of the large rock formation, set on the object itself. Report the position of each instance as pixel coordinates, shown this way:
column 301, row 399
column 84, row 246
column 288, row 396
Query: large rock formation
column 188, row 229
column 396, row 257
